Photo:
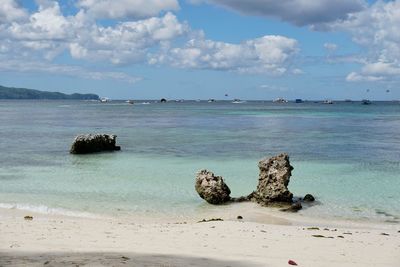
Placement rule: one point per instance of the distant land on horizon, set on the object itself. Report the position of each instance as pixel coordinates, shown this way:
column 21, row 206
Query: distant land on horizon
column 24, row 93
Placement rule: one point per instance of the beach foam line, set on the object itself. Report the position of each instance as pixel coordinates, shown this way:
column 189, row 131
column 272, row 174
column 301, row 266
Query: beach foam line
column 42, row 209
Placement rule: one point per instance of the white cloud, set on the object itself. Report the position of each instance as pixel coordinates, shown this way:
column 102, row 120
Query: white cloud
column 298, row 12
column 330, row 47
column 377, row 30
column 46, row 24
column 297, row 71
column 74, row 71
column 47, row 33
column 377, row 71
column 112, row 9
column 11, row 11
column 127, row 42
column 268, row 54
column 381, row 68
column 356, row 77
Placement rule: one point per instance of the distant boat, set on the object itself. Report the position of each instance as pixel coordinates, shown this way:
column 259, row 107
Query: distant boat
column 365, row 102
column 130, row 102
column 104, row 100
column 280, row 100
column 298, row 100
column 163, row 100
column 211, row 100
column 329, row 102
column 237, row 101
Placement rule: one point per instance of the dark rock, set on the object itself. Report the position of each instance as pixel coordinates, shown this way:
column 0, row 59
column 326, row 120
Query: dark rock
column 91, row 143
column 309, row 198
column 212, row 188
column 239, row 217
column 295, row 207
column 273, row 180
column 163, row 100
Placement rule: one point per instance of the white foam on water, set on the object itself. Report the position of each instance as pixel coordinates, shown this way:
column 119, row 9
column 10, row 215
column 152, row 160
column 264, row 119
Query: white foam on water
column 42, row 209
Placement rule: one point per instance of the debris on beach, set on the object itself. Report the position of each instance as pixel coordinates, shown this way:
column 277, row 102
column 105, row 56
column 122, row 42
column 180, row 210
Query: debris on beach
column 28, row 218
column 92, row 143
column 211, row 220
column 212, row 188
column 239, row 217
column 322, row 236
column 292, row 262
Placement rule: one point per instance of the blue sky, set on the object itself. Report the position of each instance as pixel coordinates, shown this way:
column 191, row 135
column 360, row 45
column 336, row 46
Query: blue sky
column 254, row 49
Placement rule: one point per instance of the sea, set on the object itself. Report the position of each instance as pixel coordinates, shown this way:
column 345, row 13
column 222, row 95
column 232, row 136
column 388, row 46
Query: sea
column 346, row 154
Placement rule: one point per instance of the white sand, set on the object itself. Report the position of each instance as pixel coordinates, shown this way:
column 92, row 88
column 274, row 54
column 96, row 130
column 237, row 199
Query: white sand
column 50, row 240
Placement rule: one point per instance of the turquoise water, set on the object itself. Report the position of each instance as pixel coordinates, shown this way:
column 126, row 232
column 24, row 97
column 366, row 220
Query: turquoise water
column 346, row 154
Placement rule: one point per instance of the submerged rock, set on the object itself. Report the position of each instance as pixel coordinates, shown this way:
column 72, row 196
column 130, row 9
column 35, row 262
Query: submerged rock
column 273, row 181
column 92, row 143
column 295, row 207
column 212, row 188
column 309, row 198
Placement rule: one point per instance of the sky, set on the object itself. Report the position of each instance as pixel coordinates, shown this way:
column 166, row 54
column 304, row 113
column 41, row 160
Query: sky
column 201, row 49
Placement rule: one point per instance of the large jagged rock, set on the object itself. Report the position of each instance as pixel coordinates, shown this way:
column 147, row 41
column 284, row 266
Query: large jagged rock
column 273, row 180
column 92, row 143
column 212, row 188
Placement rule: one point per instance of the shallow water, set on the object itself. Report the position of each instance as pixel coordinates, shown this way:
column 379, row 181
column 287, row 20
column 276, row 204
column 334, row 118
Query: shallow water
column 346, row 154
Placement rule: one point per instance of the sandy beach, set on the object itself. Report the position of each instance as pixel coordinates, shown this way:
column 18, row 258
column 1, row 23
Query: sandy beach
column 53, row 240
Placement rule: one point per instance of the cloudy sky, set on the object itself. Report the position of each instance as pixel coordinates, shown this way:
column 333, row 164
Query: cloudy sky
column 249, row 49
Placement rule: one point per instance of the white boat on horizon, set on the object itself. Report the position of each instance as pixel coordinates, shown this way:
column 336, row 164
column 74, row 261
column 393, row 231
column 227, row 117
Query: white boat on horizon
column 237, row 101
column 280, row 100
column 105, row 100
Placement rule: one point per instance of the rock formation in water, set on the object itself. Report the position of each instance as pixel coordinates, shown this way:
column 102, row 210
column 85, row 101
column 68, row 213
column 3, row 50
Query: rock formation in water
column 273, row 181
column 272, row 189
column 212, row 188
column 92, row 143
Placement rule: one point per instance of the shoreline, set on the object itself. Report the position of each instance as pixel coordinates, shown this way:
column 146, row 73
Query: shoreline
column 250, row 211
column 105, row 241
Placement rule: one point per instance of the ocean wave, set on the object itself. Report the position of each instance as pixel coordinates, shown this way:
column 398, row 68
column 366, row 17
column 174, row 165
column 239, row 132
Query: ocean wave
column 42, row 209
